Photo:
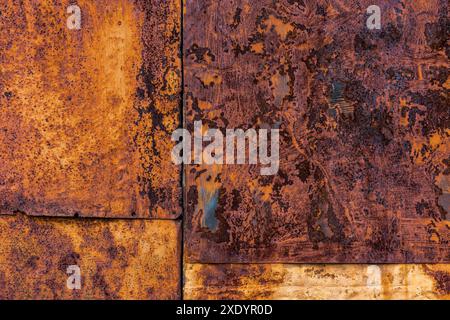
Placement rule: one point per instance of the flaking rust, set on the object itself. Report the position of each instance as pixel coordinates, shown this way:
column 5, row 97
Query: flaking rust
column 278, row 281
column 118, row 259
column 364, row 122
column 87, row 114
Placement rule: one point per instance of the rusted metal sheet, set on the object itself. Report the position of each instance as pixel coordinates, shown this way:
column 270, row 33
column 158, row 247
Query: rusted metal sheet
column 118, row 259
column 317, row 282
column 364, row 131
column 87, row 114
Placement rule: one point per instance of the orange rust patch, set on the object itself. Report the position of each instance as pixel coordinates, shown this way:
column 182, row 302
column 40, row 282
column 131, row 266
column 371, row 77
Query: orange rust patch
column 281, row 28
column 209, row 78
column 118, row 259
column 257, row 47
column 82, row 109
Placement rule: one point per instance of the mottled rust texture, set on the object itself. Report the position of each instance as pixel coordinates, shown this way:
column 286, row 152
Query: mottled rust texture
column 86, row 118
column 365, row 125
column 86, row 115
column 119, row 259
column 317, row 281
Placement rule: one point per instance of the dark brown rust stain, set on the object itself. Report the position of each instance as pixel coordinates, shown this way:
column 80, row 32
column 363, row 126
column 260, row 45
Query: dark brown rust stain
column 158, row 105
column 442, row 280
column 365, row 126
column 118, row 259
column 87, row 115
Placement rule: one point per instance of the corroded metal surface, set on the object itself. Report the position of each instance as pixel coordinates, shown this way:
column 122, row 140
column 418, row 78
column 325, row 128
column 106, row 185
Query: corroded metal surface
column 118, row 259
column 317, row 281
column 86, row 115
column 364, row 124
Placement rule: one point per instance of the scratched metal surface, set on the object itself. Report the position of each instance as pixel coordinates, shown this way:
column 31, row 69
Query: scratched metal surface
column 118, row 259
column 87, row 114
column 317, row 281
column 364, row 120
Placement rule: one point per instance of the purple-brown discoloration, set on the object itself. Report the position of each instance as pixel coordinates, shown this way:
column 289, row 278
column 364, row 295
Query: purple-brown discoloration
column 364, row 124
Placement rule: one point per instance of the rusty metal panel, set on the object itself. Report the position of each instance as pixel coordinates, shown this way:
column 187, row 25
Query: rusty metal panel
column 317, row 282
column 87, row 114
column 364, row 131
column 118, row 259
